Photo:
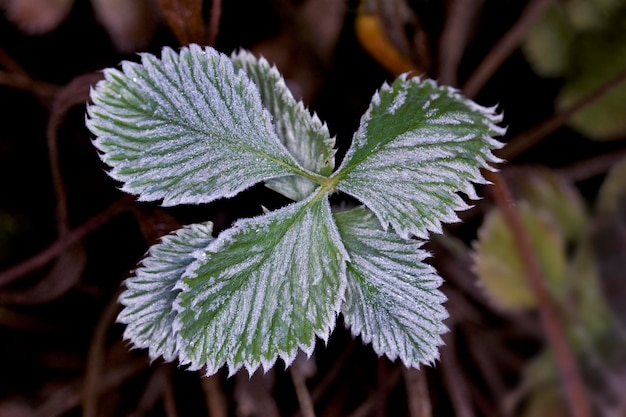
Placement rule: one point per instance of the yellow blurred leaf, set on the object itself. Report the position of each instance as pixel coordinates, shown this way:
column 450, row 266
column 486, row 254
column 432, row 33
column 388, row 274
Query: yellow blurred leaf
column 500, row 268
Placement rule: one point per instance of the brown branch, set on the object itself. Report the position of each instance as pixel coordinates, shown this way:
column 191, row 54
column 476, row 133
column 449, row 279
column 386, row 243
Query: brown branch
column 333, row 373
column 486, row 364
column 25, row 322
column 60, row 245
column 64, row 274
column 214, row 21
column 152, row 392
column 454, row 379
column 74, row 93
column 531, row 137
column 214, row 396
column 453, row 40
column 95, row 358
column 169, row 400
column 253, row 394
column 417, row 393
column 17, row 77
column 69, row 397
column 42, row 90
column 302, row 392
column 588, row 168
column 566, row 363
column 366, row 408
column 507, row 44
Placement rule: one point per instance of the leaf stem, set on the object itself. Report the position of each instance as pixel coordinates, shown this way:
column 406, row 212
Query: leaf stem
column 570, row 377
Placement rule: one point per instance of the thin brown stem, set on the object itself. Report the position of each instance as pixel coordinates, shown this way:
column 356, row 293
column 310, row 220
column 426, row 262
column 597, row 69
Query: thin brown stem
column 214, row 396
column 333, row 373
column 366, row 408
column 453, row 40
column 68, row 397
column 42, row 90
column 531, row 137
column 302, row 392
column 74, row 93
column 61, row 244
column 454, row 379
column 568, row 370
column 95, row 358
column 417, row 393
column 503, row 48
column 214, row 21
column 588, row 168
column 153, row 391
column 169, row 399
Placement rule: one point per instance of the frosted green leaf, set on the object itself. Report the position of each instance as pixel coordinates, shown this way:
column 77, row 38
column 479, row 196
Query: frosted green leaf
column 392, row 299
column 185, row 128
column 149, row 295
column 262, row 290
column 304, row 135
column 418, row 144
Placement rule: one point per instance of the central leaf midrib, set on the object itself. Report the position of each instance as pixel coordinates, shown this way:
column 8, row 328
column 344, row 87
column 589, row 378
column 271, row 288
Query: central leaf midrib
column 201, row 133
column 315, row 200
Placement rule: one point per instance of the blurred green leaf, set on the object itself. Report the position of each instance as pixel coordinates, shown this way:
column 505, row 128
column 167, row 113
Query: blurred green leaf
column 548, row 45
column 608, row 240
column 584, row 43
column 499, row 265
column 547, row 191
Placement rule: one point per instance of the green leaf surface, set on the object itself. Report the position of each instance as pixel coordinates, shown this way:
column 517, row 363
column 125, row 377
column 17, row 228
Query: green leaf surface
column 185, row 128
column 149, row 295
column 418, row 144
column 263, row 289
column 392, row 299
column 302, row 133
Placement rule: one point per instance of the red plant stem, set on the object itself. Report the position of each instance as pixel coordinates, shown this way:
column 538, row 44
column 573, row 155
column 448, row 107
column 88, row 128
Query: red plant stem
column 417, row 392
column 302, row 392
column 527, row 139
column 507, row 44
column 454, row 379
column 37, row 261
column 575, row 393
column 453, row 40
column 96, row 358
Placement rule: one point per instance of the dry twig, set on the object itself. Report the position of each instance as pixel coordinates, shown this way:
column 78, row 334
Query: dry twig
column 565, row 361
column 507, row 44
column 60, row 245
